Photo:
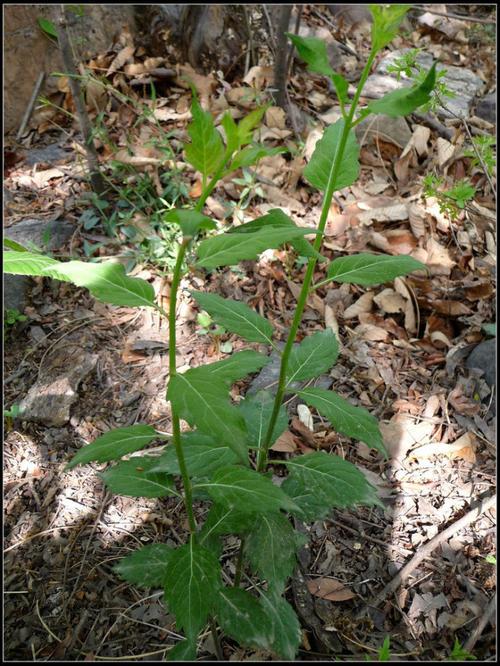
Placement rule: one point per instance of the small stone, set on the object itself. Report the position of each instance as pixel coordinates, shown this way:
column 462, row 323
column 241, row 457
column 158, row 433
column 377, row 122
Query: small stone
column 486, row 108
column 483, row 357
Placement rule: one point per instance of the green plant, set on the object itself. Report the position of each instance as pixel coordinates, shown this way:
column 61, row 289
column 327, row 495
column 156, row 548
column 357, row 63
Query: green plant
column 452, row 200
column 491, row 559
column 10, row 414
column 208, row 327
column 224, row 460
column 482, row 152
column 459, row 654
column 12, row 316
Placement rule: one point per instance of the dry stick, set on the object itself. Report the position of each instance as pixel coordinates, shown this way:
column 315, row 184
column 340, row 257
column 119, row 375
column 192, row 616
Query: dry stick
column 481, row 625
column 83, row 118
column 472, row 19
column 481, row 507
column 31, row 104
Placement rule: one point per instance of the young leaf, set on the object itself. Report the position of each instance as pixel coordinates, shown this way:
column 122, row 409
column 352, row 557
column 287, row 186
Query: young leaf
column 147, row 566
column 203, row 401
column 270, row 549
column 202, row 453
column 114, row 444
column 192, row 586
column 231, row 248
column 257, row 409
column 22, row 262
column 206, row 150
column 403, row 101
column 386, row 22
column 237, row 366
column 242, row 617
column 246, row 490
column 317, row 171
column 369, row 269
column 47, row 27
column 333, row 480
column 283, row 623
column 184, row 651
column 231, row 130
column 316, row 354
column 252, row 154
column 190, row 221
column 249, row 123
column 352, row 421
column 236, row 317
column 107, row 282
column 311, row 507
column 134, row 478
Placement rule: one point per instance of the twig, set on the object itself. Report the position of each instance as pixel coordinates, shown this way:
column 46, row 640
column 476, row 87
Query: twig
column 471, row 19
column 433, row 123
column 295, row 32
column 31, row 104
column 481, row 625
column 481, row 507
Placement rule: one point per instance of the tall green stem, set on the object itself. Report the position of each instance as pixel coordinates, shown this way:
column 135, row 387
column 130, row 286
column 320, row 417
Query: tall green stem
column 172, row 346
column 304, row 292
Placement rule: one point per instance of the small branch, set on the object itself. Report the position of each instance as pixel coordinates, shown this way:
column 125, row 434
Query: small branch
column 481, row 625
column 425, row 551
column 471, row 19
column 31, row 104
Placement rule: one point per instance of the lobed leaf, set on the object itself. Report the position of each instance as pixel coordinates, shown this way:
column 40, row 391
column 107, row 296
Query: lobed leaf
column 404, row 101
column 242, row 617
column 134, row 478
column 369, row 269
column 114, row 444
column 257, row 409
column 318, row 170
column 283, row 623
column 225, row 520
column 206, row 150
column 316, row 354
column 146, row 566
column 352, row 421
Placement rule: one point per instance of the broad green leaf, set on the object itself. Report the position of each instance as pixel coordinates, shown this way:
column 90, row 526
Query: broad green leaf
column 115, row 444
column 277, row 218
column 386, row 22
column 47, row 27
column 134, row 478
column 190, row 221
column 246, row 490
column 352, row 421
column 368, row 269
column 147, row 566
column 247, row 124
column 22, row 262
column 257, row 409
column 284, row 625
column 107, row 282
column 235, row 316
column 237, row 366
column 231, row 130
column 270, row 549
column 242, row 617
column 231, row 248
column 13, row 245
column 313, row 51
column 333, row 480
column 225, row 520
column 192, row 586
column 403, row 101
column 202, row 454
column 316, row 354
column 203, row 401
column 252, row 154
column 318, row 170
column 311, row 507
column 184, row 651
column 206, row 150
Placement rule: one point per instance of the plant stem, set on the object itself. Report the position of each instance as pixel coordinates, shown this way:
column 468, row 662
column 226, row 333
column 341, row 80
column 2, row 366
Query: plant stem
column 176, row 428
column 239, row 563
column 207, row 191
column 304, row 292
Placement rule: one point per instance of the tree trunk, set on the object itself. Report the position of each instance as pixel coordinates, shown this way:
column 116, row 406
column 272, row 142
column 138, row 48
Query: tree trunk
column 281, row 57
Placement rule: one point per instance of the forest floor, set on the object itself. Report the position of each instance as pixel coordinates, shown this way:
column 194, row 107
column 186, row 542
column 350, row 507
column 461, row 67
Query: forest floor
column 403, row 350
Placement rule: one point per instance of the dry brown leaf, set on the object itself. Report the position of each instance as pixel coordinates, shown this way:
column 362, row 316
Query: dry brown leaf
column 390, row 301
column 363, row 304
column 446, row 151
column 259, row 76
column 463, row 447
column 312, row 139
column 196, row 189
column 432, row 406
column 400, row 241
column 305, row 416
column 410, row 314
column 438, row 260
column 384, row 214
column 331, row 322
column 332, row 590
column 402, row 433
column 243, row 96
column 371, row 332
column 416, row 214
column 275, row 117
column 204, row 85
column 164, row 114
column 450, row 308
column 462, row 403
column 274, row 133
column 95, row 96
column 286, row 443
column 121, row 58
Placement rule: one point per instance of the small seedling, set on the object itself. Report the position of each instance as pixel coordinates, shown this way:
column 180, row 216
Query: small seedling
column 459, row 654
column 13, row 316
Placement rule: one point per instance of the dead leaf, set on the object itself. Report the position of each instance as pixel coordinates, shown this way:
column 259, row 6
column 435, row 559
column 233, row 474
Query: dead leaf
column 363, row 304
column 305, row 416
column 275, row 117
column 438, row 259
column 463, row 448
column 286, row 443
column 327, row 588
column 390, row 301
column 416, row 215
column 259, row 76
column 402, row 433
column 410, row 314
column 384, row 214
column 462, row 403
column 121, row 58
column 371, row 332
column 450, row 308
column 331, row 322
column 446, row 151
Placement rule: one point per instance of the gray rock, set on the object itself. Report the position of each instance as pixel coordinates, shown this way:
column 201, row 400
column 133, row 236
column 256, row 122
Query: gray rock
column 483, row 357
column 51, row 154
column 486, row 108
column 15, row 288
column 396, row 130
column 50, row 399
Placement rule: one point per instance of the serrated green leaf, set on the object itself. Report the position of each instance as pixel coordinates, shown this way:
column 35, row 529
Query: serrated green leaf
column 257, row 409
column 231, row 130
column 369, row 269
column 318, row 170
column 246, row 490
column 147, row 566
column 404, row 101
column 311, row 507
column 184, row 651
column 206, row 149
column 386, row 22
column 134, row 478
column 238, row 365
column 202, row 454
column 270, row 549
column 224, row 520
column 242, row 617
column 203, row 401
column 231, row 248
column 22, row 262
column 114, row 444
column 352, row 421
column 107, row 282
column 283, row 624
column 252, row 154
column 236, row 317
column 192, row 585
column 316, row 354
column 190, row 221
column 333, row 480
